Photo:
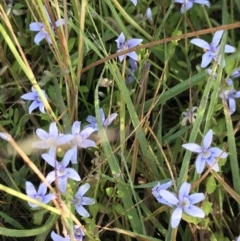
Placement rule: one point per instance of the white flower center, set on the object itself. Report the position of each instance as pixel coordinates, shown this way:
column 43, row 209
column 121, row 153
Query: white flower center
column 51, row 141
column 78, row 139
column 185, row 203
column 206, row 154
column 39, row 198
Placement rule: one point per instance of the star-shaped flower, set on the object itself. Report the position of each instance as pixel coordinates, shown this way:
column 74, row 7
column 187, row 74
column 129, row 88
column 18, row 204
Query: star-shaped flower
column 230, row 95
column 79, row 200
column 206, row 154
column 39, row 195
column 78, row 235
column 42, row 32
column 122, row 45
column 51, row 140
column 213, row 49
column 80, row 139
column 184, row 203
column 156, row 192
column 187, row 4
column 37, row 102
column 61, row 172
column 105, row 122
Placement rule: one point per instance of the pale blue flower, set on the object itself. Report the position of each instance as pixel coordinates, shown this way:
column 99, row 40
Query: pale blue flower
column 122, row 45
column 39, row 195
column 61, row 172
column 187, row 4
column 148, row 15
column 206, row 154
column 213, row 49
column 105, row 122
column 230, row 95
column 156, row 192
column 37, row 102
column 235, row 74
column 184, row 203
column 51, row 140
column 80, row 139
column 134, row 2
column 78, row 235
column 42, row 32
column 79, row 200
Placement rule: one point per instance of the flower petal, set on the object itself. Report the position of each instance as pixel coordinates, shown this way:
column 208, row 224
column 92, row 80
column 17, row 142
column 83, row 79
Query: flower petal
column 30, row 189
column 5, row 136
column 210, row 162
column 120, row 40
column 87, row 201
column 200, row 43
column 82, row 211
column 51, row 177
column 38, row 38
column 83, row 189
column 184, row 190
column 56, row 237
column 48, row 198
column 67, row 157
column 30, row 96
column 207, row 140
column 217, row 152
column 206, row 59
column 76, row 127
column 133, row 55
column 60, row 22
column 229, row 49
column 196, row 198
column 134, row 42
column 194, row 211
column 42, row 189
column 43, row 135
column 110, row 119
column 176, row 217
column 72, row 174
column 200, row 163
column 53, row 130
column 33, row 106
column 192, row 147
column 204, row 2
column 87, row 143
column 49, row 159
column 169, row 196
column 232, row 105
column 36, row 26
column 217, row 37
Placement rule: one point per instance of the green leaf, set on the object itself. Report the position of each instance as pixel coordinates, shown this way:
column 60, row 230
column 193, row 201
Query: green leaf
column 110, row 191
column 119, row 209
column 211, row 184
column 11, row 221
column 207, row 207
column 38, row 216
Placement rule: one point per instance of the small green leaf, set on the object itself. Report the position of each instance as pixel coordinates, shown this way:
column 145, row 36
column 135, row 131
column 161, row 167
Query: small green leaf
column 71, row 43
column 211, row 184
column 38, row 216
column 119, row 209
column 207, row 207
column 110, row 191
